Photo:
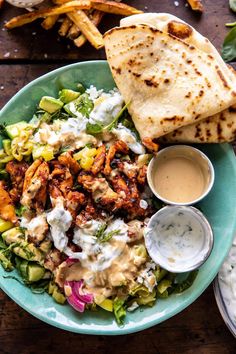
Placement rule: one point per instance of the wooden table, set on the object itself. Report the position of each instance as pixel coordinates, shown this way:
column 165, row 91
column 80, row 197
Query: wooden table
column 25, row 54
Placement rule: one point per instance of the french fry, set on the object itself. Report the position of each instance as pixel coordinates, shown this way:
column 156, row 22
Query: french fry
column 57, row 10
column 73, row 32
column 196, row 5
column 87, row 27
column 96, row 18
column 49, row 22
column 65, row 26
column 114, row 7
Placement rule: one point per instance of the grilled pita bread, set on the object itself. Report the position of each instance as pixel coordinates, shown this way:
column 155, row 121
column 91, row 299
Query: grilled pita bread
column 218, row 128
column 168, row 82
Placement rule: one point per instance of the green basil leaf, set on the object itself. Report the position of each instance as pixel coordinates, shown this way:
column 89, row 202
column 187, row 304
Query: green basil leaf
column 229, row 46
column 93, row 128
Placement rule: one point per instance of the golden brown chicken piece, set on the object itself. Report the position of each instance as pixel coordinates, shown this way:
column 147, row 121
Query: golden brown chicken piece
column 60, row 179
column 142, row 175
column 100, row 189
column 67, row 160
column 16, row 171
column 35, row 186
column 118, row 146
column 128, row 168
column 87, row 214
column 53, row 259
column 74, row 201
column 150, row 145
column 99, row 160
column 7, row 210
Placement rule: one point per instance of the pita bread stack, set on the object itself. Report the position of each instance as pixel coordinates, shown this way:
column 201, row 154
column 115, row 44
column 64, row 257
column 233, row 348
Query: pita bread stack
column 178, row 86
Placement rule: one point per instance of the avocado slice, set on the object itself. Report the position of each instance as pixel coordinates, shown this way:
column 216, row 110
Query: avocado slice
column 50, row 104
column 28, row 251
column 67, row 95
column 13, row 130
column 35, row 272
column 13, row 235
column 6, row 143
column 5, row 262
column 22, row 248
column 22, row 266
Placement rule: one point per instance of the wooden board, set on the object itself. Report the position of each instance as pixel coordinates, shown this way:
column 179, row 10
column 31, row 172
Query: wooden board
column 32, row 43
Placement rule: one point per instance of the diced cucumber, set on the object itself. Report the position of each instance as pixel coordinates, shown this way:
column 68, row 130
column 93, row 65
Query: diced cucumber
column 13, row 130
column 6, row 143
column 50, row 104
column 5, row 262
column 35, row 272
column 67, row 95
column 5, row 225
column 23, row 268
column 13, row 235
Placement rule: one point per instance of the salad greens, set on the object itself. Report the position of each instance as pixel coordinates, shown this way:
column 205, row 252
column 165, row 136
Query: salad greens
column 96, row 128
column 33, row 257
column 229, row 46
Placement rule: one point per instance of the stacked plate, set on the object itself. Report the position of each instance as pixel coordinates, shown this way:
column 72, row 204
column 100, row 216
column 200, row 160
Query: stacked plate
column 225, row 290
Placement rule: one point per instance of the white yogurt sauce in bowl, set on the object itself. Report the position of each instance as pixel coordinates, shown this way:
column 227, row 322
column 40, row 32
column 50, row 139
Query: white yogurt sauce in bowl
column 179, row 238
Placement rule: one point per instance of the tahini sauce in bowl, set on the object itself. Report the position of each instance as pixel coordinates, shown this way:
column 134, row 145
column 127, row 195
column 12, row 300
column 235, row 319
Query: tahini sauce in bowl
column 180, row 175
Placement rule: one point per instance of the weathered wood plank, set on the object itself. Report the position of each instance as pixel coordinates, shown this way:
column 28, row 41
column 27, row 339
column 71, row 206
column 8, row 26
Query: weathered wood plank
column 33, row 42
column 198, row 329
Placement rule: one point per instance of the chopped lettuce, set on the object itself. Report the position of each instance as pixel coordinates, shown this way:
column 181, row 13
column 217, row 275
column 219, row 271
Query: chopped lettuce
column 119, row 310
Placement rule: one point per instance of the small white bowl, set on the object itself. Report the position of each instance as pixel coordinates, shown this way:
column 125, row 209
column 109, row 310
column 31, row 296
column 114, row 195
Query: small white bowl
column 195, row 156
column 179, row 238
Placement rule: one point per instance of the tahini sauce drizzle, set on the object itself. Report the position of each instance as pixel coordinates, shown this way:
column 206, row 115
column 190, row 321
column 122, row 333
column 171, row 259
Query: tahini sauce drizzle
column 179, row 179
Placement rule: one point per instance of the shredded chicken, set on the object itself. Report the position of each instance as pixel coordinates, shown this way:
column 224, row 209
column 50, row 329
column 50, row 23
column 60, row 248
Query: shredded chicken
column 7, row 210
column 99, row 160
column 118, row 146
column 16, row 171
column 35, row 186
column 67, row 160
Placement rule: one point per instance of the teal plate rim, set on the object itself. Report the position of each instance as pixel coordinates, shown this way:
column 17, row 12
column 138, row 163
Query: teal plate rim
column 133, row 327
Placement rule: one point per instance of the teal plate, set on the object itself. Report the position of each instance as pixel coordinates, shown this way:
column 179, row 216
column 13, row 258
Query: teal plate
column 218, row 206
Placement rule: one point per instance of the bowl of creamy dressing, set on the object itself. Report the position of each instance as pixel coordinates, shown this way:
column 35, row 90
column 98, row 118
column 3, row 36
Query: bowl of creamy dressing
column 180, row 175
column 179, row 238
